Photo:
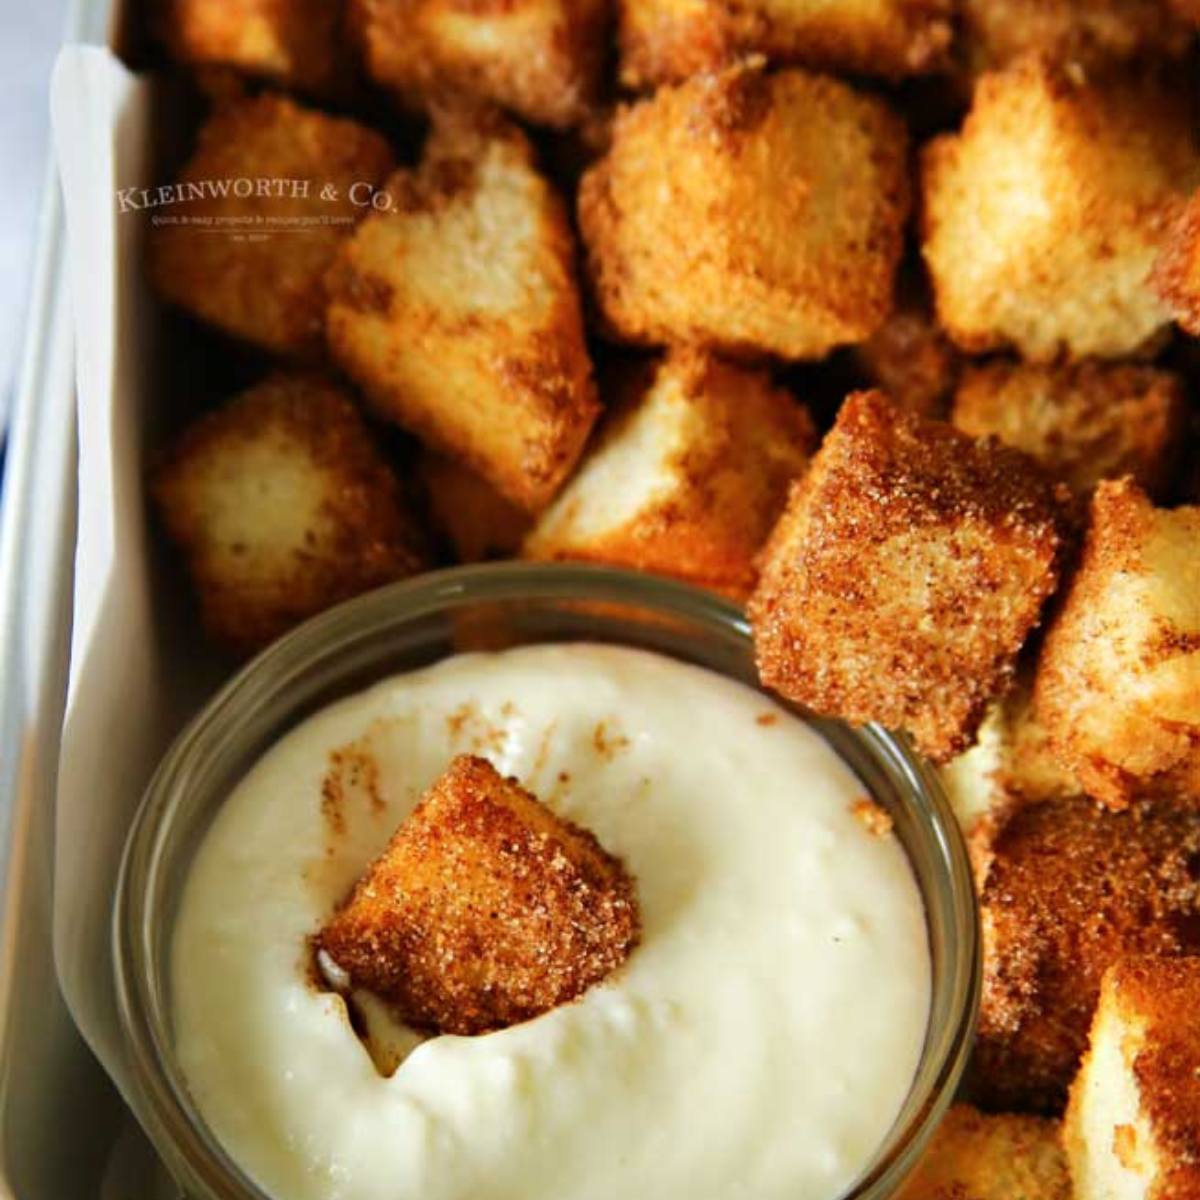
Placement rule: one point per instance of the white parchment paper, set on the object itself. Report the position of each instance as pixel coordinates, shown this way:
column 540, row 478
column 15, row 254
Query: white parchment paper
column 133, row 681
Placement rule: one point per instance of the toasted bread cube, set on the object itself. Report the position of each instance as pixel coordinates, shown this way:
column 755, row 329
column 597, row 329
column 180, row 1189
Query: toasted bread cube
column 1118, row 683
column 296, row 43
column 974, row 1156
column 1083, row 423
column 1177, row 271
column 1011, row 763
column 910, row 359
column 540, row 58
column 457, row 311
column 665, row 41
column 241, row 261
column 477, row 522
column 1066, row 889
column 908, row 570
column 1133, row 1122
column 751, row 212
column 687, row 478
column 484, row 910
column 1088, row 34
column 283, row 506
column 1044, row 215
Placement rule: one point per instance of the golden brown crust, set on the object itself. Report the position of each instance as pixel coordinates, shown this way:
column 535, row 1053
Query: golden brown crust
column 974, row 1156
column 458, row 314
column 267, row 288
column 1162, row 998
column 1083, row 423
column 749, row 212
column 1118, row 682
column 282, row 506
column 720, row 445
column 1133, row 1122
column 484, row 910
column 908, row 570
column 1089, row 33
column 478, row 523
column 1043, row 216
column 540, row 58
column 1177, row 271
column 665, row 41
column 1066, row 889
column 297, row 43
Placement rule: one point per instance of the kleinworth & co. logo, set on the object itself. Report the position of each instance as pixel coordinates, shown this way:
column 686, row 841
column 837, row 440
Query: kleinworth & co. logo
column 293, row 205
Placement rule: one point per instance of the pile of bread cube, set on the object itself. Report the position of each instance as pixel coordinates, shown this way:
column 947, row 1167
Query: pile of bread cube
column 873, row 315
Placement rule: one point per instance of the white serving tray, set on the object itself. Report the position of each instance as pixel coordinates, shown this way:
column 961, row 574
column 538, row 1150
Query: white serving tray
column 63, row 1130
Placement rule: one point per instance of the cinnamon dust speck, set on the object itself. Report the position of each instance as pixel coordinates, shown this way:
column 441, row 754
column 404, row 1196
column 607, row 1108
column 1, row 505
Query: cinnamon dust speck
column 333, row 798
column 470, row 730
column 606, row 743
column 353, row 771
column 457, row 720
column 543, row 750
column 874, row 819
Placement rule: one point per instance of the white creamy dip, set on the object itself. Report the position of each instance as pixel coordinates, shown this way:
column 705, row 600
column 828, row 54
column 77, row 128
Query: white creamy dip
column 758, row 1043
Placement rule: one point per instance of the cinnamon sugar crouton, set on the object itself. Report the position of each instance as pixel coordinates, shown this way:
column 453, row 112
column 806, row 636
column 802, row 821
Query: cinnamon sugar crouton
column 1090, row 34
column 1177, row 271
column 687, row 478
column 749, row 212
column 296, row 43
column 1068, row 888
column 1083, row 423
column 282, row 506
column 1133, row 1123
column 268, row 288
column 1044, row 215
column 664, row 41
column 484, row 910
column 908, row 569
column 478, row 523
column 1011, row 763
column 458, row 314
column 540, row 58
column 1118, row 683
column 974, row 1156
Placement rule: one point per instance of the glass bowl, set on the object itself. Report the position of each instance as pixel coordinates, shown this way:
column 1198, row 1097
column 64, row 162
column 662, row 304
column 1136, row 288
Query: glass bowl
column 413, row 624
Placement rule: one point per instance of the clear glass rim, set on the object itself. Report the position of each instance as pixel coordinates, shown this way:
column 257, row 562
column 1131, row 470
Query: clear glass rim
column 195, row 1156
